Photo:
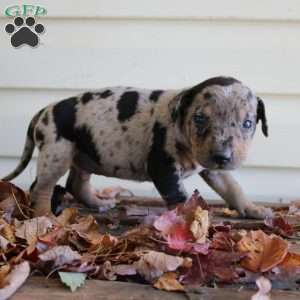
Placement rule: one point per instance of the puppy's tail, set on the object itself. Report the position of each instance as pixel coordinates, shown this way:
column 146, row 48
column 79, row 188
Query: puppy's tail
column 27, row 152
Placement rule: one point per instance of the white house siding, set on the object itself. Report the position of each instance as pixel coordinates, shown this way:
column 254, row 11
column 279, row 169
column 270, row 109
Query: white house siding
column 159, row 44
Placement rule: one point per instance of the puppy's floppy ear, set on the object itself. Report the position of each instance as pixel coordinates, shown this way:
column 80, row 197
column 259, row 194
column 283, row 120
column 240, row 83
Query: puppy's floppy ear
column 261, row 116
column 177, row 106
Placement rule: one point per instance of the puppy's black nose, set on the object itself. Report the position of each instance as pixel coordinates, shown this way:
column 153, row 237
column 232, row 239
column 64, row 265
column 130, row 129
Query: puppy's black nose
column 221, row 159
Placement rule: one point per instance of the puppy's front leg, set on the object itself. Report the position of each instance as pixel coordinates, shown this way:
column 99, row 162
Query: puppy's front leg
column 168, row 183
column 225, row 185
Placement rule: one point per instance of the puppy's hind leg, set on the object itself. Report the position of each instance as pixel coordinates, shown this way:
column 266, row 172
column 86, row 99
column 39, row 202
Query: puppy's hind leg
column 54, row 160
column 78, row 184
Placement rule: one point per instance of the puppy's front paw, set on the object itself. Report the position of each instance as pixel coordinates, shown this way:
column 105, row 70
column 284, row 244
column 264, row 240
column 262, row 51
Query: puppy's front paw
column 257, row 212
column 106, row 204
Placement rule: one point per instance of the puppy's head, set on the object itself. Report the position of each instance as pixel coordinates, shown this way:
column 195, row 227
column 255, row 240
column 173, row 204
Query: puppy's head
column 218, row 118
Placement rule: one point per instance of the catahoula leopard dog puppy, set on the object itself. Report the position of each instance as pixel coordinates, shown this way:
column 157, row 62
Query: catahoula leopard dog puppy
column 162, row 136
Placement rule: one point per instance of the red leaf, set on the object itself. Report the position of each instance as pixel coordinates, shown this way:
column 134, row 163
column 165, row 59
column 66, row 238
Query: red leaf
column 217, row 266
column 279, row 225
column 186, row 227
column 179, row 237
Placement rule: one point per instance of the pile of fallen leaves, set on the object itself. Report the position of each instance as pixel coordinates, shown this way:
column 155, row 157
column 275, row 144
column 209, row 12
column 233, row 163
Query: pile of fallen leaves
column 180, row 248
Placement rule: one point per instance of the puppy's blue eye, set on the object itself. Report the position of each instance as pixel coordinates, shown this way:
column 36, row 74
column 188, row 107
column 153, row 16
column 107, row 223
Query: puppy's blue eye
column 247, row 124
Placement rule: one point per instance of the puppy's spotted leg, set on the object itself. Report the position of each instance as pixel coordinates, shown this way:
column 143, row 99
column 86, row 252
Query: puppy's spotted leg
column 224, row 184
column 162, row 170
column 170, row 187
column 54, row 160
column 78, row 184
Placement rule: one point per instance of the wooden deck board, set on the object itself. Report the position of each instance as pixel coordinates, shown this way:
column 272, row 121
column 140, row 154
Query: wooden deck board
column 39, row 288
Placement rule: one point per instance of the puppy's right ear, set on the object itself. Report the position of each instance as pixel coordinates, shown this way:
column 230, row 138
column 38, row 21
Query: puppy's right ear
column 175, row 106
column 261, row 116
column 180, row 105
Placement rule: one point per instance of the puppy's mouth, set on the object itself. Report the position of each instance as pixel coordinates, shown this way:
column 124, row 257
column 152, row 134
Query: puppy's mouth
column 213, row 165
column 227, row 167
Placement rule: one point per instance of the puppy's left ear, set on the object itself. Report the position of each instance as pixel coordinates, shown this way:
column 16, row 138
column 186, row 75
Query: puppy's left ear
column 261, row 116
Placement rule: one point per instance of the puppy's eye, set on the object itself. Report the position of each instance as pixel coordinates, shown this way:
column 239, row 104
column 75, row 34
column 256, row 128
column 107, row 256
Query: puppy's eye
column 247, row 124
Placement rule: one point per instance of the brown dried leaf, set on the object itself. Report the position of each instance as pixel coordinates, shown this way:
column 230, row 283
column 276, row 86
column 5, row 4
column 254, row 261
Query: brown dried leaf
column 60, row 255
column 264, row 251
column 15, row 279
column 124, row 270
column 3, row 243
column 279, row 225
column 168, row 282
column 292, row 260
column 217, row 266
column 13, row 200
column 153, row 264
column 67, row 216
column 30, row 230
column 222, row 240
column 4, row 270
column 7, row 231
column 88, row 228
column 55, row 236
column 200, row 225
column 107, row 272
column 229, row 213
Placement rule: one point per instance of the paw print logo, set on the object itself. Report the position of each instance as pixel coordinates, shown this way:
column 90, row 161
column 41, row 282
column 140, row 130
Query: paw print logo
column 24, row 33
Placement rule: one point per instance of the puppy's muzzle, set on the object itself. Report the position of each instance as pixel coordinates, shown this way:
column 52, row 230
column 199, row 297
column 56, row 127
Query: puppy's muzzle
column 221, row 159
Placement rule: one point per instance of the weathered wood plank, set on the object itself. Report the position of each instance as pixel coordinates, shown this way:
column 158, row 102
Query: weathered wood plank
column 37, row 288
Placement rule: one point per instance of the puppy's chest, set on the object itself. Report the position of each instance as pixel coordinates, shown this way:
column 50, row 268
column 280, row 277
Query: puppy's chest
column 186, row 164
column 186, row 171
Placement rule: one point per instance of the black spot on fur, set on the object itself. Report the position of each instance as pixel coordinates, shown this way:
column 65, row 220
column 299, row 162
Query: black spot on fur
column 155, row 95
column 127, row 105
column 116, row 169
column 39, row 136
column 57, row 200
column 133, row 168
column 105, row 94
column 207, row 95
column 45, row 119
column 152, row 111
column 180, row 148
column 124, row 128
column 84, row 142
column 32, row 124
column 161, row 168
column 249, row 95
column 64, row 116
column 86, row 98
column 186, row 97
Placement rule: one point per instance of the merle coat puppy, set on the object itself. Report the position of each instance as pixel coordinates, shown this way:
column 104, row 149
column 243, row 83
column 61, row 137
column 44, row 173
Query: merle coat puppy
column 161, row 136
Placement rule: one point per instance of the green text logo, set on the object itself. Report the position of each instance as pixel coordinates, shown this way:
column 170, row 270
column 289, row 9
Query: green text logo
column 25, row 10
